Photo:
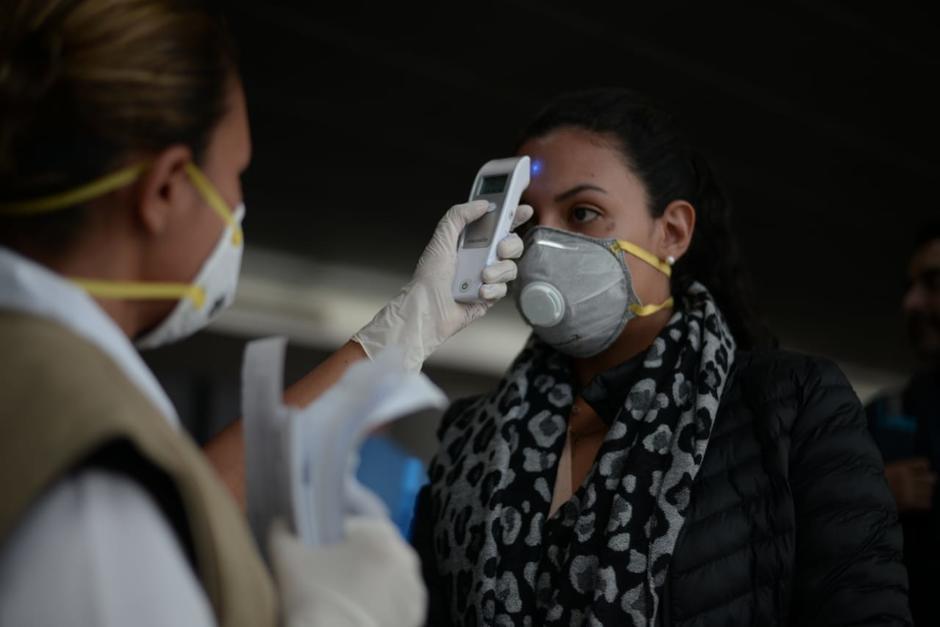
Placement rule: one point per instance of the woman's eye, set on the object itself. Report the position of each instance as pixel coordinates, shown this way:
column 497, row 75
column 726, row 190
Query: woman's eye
column 583, row 215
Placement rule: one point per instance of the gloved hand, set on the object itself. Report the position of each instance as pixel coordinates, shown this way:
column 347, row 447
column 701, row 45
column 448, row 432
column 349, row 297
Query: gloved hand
column 373, row 579
column 424, row 315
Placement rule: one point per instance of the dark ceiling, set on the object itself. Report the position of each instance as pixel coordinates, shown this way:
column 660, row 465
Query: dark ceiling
column 369, row 120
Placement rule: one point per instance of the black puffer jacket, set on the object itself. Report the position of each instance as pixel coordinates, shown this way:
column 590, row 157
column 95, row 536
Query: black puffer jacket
column 791, row 521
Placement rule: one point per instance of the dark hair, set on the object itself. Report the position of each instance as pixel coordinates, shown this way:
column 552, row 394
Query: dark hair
column 86, row 85
column 671, row 170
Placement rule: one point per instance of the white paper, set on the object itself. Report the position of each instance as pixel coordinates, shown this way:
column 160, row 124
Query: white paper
column 301, row 462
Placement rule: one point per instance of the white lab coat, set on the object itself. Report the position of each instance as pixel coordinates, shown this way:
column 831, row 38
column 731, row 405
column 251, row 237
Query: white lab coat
column 95, row 549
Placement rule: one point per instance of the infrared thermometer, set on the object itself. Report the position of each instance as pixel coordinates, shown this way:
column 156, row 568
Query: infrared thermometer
column 500, row 183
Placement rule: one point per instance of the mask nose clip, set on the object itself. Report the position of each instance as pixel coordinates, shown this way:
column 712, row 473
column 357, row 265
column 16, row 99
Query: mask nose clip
column 542, row 304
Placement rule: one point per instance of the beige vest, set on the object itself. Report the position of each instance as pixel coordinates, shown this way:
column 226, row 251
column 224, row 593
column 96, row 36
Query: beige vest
column 61, row 401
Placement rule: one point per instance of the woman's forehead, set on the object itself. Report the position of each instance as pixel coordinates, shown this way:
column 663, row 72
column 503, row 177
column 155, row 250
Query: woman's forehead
column 570, row 157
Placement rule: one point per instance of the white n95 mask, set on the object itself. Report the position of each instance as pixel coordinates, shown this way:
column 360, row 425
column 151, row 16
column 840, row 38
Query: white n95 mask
column 577, row 292
column 200, row 301
column 210, row 293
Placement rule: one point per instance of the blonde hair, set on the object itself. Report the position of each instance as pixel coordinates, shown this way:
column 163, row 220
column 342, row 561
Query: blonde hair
column 87, row 84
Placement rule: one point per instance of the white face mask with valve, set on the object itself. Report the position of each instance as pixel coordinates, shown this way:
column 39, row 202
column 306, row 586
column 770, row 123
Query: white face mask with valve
column 577, row 292
column 199, row 301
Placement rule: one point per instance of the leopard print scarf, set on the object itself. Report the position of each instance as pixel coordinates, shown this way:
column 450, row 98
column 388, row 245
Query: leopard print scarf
column 602, row 558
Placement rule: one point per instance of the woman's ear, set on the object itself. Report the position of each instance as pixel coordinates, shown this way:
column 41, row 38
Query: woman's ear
column 677, row 224
column 164, row 189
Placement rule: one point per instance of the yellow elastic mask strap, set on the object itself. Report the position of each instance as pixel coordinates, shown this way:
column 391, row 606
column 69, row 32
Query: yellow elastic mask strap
column 211, row 196
column 130, row 290
column 77, row 196
column 642, row 311
column 643, row 255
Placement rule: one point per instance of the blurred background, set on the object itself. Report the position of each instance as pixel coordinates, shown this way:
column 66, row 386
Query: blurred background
column 370, row 120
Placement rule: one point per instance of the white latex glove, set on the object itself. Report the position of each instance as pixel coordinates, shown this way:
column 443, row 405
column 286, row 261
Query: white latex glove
column 372, row 579
column 424, row 315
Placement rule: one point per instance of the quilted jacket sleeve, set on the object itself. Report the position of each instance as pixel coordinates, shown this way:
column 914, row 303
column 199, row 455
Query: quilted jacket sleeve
column 848, row 544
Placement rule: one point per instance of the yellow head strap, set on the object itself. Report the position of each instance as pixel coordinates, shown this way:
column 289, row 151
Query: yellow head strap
column 623, row 246
column 115, row 181
column 211, row 196
column 644, row 255
column 648, row 310
column 77, row 196
column 143, row 291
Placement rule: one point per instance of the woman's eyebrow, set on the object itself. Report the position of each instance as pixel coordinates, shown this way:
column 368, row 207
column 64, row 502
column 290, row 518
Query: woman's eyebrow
column 577, row 189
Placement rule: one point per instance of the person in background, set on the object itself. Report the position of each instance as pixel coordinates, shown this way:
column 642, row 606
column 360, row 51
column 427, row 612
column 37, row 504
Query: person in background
column 123, row 135
column 906, row 427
